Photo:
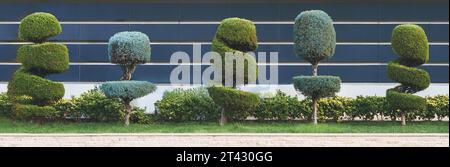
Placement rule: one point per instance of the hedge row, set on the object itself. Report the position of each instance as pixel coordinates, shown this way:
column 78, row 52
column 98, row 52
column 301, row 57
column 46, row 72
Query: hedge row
column 196, row 105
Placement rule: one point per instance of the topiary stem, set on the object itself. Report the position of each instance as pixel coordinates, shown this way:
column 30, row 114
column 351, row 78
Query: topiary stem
column 127, row 71
column 223, row 117
column 127, row 112
column 315, row 68
column 314, row 106
column 403, row 117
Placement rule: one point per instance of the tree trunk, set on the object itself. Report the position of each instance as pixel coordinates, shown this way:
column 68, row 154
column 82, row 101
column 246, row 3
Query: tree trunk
column 315, row 68
column 127, row 112
column 314, row 111
column 223, row 117
column 403, row 119
column 127, row 71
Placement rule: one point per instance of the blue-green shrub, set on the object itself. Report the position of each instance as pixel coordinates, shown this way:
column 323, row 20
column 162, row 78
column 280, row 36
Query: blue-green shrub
column 129, row 48
column 127, row 89
column 317, row 86
column 187, row 105
column 314, row 36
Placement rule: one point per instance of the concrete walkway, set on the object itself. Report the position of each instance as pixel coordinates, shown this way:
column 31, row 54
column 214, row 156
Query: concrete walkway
column 224, row 140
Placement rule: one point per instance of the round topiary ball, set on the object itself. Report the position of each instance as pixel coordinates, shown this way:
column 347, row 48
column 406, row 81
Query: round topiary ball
column 314, row 36
column 37, row 27
column 129, row 48
column 410, row 43
column 238, row 34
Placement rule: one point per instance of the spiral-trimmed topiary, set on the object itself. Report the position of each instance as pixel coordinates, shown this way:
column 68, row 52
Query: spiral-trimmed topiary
column 236, row 36
column 38, row 60
column 127, row 49
column 315, row 40
column 410, row 44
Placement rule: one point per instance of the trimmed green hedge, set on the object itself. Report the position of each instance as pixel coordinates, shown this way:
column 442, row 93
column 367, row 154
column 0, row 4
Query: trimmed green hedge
column 404, row 101
column 317, row 86
column 187, row 105
column 37, row 27
column 45, row 58
column 21, row 111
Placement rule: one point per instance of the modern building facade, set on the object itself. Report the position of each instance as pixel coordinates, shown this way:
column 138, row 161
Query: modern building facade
column 363, row 31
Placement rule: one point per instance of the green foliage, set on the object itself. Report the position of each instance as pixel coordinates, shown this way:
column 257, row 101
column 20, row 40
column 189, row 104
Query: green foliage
column 236, row 36
column 187, row 105
column 127, row 90
column 129, row 48
column 334, row 108
column 95, row 106
column 410, row 43
column 43, row 91
column 367, row 107
column 44, row 58
column 282, row 107
column 405, row 102
column 317, row 86
column 37, row 27
column 238, row 104
column 437, row 107
column 21, row 111
column 314, row 36
column 413, row 78
column 5, row 105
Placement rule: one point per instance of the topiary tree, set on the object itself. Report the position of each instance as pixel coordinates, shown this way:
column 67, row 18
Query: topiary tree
column 315, row 40
column 127, row 91
column 410, row 44
column 128, row 49
column 38, row 60
column 236, row 37
column 233, row 39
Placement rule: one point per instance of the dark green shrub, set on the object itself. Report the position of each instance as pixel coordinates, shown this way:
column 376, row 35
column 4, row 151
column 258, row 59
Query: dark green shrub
column 187, row 105
column 43, row 59
column 236, row 36
column 235, row 104
column 129, row 49
column 367, row 107
column 21, row 111
column 315, row 40
column 410, row 43
column 437, row 107
column 37, row 27
column 95, row 106
column 317, row 86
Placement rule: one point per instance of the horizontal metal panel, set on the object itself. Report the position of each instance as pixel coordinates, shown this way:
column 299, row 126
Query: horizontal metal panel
column 217, row 11
column 161, row 73
column 205, row 32
column 162, row 53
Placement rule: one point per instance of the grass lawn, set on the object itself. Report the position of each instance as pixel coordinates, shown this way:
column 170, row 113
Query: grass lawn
column 8, row 126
